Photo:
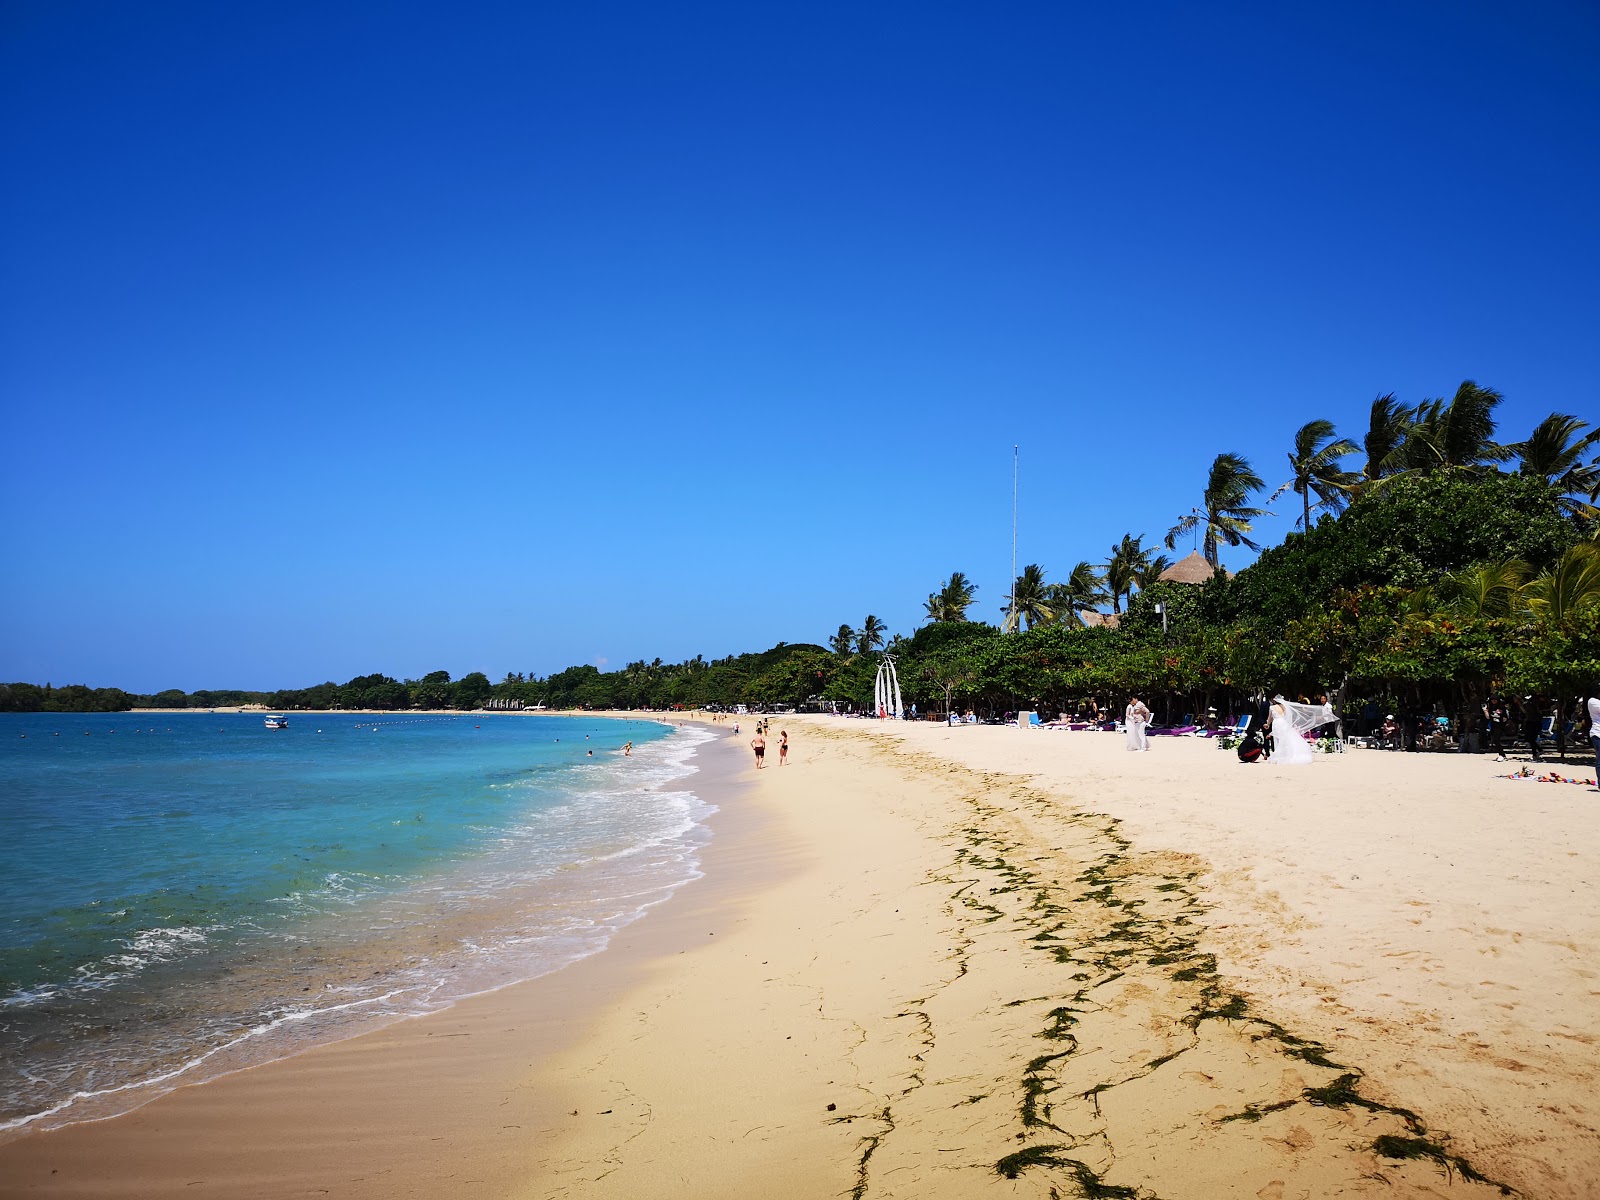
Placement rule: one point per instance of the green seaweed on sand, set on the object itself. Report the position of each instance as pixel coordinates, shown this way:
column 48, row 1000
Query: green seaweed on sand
column 1036, row 1089
column 869, row 1145
column 1155, row 1064
column 1090, row 1185
column 1205, row 966
column 1304, row 1049
column 1390, row 1146
column 1062, row 1019
column 1118, row 918
column 1342, row 1093
column 1013, row 1165
column 1253, row 1112
column 1234, row 1009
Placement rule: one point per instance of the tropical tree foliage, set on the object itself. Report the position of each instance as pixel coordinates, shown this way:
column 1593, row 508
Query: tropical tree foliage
column 1151, row 570
column 1081, row 592
column 1126, row 569
column 1555, row 452
column 1454, row 434
column 1386, row 430
column 1030, row 602
column 870, row 636
column 1314, row 462
column 951, row 601
column 1224, row 514
column 1567, row 596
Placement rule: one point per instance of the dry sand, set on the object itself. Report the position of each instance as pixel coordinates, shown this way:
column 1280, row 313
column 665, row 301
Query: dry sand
column 929, row 962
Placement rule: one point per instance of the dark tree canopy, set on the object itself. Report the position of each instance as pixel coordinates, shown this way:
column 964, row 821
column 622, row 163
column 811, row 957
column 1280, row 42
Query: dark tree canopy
column 1405, row 534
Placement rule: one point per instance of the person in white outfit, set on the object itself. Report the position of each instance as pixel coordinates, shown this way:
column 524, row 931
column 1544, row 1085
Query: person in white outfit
column 1289, row 722
column 1594, row 730
column 1134, row 722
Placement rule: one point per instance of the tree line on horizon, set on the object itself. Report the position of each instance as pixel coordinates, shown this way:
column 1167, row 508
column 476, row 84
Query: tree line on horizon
column 1428, row 576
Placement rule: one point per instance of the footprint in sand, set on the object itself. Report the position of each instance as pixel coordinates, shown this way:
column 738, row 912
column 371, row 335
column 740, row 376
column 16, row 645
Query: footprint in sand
column 1298, row 1138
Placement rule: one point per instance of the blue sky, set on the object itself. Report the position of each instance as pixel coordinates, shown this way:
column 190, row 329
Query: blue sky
column 341, row 338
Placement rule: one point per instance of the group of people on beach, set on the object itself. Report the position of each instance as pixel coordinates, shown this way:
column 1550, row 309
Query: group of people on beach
column 1282, row 735
column 759, row 744
column 1496, row 725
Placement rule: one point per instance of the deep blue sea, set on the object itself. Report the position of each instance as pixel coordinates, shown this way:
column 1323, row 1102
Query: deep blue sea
column 185, row 894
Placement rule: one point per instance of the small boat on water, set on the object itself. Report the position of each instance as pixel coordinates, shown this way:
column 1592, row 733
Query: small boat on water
column 277, row 722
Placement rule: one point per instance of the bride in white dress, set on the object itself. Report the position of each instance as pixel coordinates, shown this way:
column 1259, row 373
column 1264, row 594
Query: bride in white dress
column 1134, row 722
column 1289, row 722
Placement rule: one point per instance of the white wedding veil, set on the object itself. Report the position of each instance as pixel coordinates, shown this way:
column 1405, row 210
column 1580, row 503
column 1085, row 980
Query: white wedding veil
column 1303, row 718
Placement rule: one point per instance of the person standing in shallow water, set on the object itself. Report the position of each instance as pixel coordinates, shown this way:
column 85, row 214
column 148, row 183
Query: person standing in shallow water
column 759, row 745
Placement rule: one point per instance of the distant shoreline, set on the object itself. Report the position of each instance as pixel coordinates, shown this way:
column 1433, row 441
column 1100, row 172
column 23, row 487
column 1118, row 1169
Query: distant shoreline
column 401, row 712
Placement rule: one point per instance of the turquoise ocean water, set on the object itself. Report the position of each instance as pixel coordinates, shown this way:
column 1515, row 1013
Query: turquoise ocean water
column 186, row 894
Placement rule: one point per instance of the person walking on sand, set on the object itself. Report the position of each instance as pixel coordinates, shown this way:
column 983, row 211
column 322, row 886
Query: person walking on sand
column 759, row 745
column 783, row 747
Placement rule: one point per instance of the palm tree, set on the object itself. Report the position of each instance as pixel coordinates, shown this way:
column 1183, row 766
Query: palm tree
column 1029, row 600
column 842, row 642
column 1126, row 568
column 1080, row 592
column 1555, row 451
column 1315, row 463
column 1223, row 511
column 951, row 601
column 1386, row 432
column 1567, row 589
column 1453, row 435
column 870, row 636
column 1119, row 582
column 1154, row 566
column 1487, row 590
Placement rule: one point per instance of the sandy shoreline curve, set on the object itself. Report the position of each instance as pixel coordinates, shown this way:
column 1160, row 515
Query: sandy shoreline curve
column 934, row 962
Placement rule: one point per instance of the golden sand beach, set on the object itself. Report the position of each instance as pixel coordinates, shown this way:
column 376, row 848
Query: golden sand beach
column 930, row 962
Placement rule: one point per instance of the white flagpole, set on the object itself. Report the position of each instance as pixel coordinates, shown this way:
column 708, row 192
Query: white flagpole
column 1016, row 624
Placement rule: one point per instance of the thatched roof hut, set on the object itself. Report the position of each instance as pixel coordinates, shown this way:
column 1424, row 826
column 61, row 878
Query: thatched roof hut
column 1192, row 569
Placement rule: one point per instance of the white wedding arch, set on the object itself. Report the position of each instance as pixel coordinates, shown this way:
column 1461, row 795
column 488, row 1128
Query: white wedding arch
column 886, row 690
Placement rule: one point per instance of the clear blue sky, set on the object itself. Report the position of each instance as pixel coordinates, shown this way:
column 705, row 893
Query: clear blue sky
column 354, row 337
